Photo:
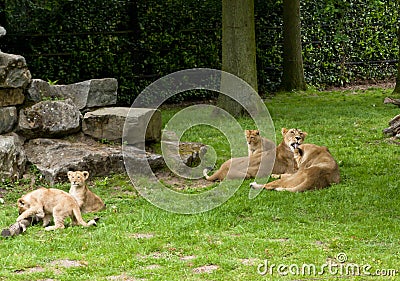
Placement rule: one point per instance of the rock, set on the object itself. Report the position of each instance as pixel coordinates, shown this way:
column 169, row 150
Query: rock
column 39, row 90
column 11, row 97
column 12, row 157
column 9, row 118
column 108, row 124
column 86, row 94
column 55, row 157
column 142, row 121
column 14, row 72
column 50, row 119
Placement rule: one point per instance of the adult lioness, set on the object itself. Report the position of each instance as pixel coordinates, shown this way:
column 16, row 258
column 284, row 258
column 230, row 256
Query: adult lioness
column 257, row 163
column 317, row 169
column 284, row 160
column 87, row 200
column 47, row 203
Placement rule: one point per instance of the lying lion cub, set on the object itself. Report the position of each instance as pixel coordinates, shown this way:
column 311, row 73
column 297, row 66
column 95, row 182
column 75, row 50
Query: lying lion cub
column 87, row 200
column 47, row 203
column 317, row 169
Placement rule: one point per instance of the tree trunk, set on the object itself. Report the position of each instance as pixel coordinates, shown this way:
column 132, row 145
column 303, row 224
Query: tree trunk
column 293, row 73
column 238, row 49
column 397, row 88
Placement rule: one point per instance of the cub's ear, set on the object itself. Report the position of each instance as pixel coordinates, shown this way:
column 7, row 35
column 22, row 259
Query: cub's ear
column 21, row 202
column 284, row 131
column 70, row 173
column 305, row 134
column 257, row 132
column 85, row 174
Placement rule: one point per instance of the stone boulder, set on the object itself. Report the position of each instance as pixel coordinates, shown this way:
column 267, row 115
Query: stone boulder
column 9, row 118
column 14, row 72
column 86, row 94
column 12, row 157
column 108, row 124
column 11, row 96
column 55, row 157
column 49, row 119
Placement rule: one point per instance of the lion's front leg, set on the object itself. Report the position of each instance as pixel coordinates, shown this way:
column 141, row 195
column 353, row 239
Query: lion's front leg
column 30, row 213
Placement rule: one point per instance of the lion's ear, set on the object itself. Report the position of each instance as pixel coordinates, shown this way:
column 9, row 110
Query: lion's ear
column 21, row 202
column 305, row 134
column 284, row 131
column 85, row 174
column 70, row 173
column 257, row 132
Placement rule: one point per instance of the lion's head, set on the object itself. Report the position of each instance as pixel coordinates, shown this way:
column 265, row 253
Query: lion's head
column 293, row 137
column 252, row 137
column 22, row 205
column 78, row 178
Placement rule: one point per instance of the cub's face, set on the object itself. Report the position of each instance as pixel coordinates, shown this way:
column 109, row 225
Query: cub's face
column 293, row 137
column 252, row 137
column 78, row 178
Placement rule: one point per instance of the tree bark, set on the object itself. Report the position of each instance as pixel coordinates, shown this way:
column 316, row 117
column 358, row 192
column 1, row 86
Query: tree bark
column 397, row 88
column 238, row 49
column 293, row 72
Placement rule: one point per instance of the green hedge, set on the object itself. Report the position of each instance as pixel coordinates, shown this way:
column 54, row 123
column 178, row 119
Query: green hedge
column 139, row 41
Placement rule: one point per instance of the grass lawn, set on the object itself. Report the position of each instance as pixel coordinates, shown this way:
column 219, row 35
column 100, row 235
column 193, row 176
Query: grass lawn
column 356, row 221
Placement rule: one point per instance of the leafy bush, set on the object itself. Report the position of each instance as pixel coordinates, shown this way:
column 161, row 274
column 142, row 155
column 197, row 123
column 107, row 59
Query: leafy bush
column 139, row 41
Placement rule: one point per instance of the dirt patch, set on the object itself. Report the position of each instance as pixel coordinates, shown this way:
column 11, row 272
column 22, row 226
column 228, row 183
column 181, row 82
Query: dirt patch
column 205, row 269
column 153, row 266
column 30, row 270
column 124, row 277
column 179, row 183
column 141, row 235
column 68, row 263
column 187, row 258
column 250, row 261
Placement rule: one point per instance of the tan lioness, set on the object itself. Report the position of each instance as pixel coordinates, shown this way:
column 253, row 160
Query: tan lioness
column 87, row 200
column 257, row 163
column 47, row 203
column 246, row 167
column 317, row 169
column 284, row 160
column 256, row 143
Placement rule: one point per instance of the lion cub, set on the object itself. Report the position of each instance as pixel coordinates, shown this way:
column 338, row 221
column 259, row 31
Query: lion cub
column 47, row 203
column 87, row 200
column 256, row 143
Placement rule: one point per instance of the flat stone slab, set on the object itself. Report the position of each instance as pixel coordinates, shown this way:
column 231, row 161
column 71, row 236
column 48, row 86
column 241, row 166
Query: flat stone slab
column 86, row 94
column 50, row 119
column 108, row 124
column 55, row 157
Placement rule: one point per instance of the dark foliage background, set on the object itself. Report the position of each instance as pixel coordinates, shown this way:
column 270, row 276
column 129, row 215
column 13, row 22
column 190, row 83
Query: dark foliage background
column 137, row 41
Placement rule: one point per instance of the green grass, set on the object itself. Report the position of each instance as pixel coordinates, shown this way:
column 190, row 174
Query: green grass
column 137, row 241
